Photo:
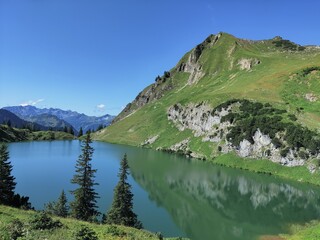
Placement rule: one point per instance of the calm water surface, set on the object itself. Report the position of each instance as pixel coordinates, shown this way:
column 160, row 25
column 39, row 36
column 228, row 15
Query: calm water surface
column 172, row 195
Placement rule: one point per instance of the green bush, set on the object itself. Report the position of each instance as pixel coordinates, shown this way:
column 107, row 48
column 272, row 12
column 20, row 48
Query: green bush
column 308, row 70
column 15, row 229
column 255, row 115
column 159, row 235
column 42, row 221
column 115, row 231
column 292, row 117
column 85, row 233
column 284, row 152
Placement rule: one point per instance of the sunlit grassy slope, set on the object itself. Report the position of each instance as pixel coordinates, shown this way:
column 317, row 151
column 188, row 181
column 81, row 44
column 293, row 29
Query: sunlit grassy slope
column 275, row 80
column 69, row 228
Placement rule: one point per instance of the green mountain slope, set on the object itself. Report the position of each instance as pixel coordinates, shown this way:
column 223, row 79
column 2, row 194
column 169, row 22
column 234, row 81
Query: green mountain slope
column 220, row 69
column 9, row 134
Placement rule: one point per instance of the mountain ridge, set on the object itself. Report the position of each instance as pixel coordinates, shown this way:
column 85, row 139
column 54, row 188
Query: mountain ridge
column 220, row 69
column 70, row 118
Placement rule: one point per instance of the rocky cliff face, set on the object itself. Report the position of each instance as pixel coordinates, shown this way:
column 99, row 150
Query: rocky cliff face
column 192, row 65
column 164, row 84
column 201, row 118
column 153, row 92
column 209, row 124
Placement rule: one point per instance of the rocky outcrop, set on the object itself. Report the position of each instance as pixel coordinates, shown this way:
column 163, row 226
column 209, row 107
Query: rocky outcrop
column 262, row 147
column 248, row 63
column 192, row 65
column 153, row 92
column 201, row 119
column 209, row 124
column 183, row 148
column 150, row 140
column 311, row 97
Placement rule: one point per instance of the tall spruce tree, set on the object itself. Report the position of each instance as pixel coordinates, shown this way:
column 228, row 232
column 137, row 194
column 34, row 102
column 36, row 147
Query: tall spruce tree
column 84, row 205
column 7, row 181
column 121, row 211
column 80, row 132
column 62, row 208
column 59, row 208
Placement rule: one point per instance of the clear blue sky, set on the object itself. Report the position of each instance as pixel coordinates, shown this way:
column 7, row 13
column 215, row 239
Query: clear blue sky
column 96, row 56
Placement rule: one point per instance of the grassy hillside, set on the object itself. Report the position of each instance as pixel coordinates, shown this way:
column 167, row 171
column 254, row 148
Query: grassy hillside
column 276, row 75
column 8, row 134
column 68, row 229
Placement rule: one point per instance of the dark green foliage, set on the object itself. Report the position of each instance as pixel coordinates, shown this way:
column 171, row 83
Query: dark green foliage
column 166, row 74
column 100, row 127
column 7, row 181
column 80, row 132
column 84, row 205
column 42, row 221
column 59, row 208
column 292, row 117
column 115, row 231
column 159, row 235
column 225, row 105
column 121, row 212
column 308, row 70
column 284, row 152
column 254, row 115
column 51, row 135
column 85, row 233
column 276, row 142
column 69, row 130
column 303, row 155
column 15, row 229
column 21, row 202
column 158, row 78
column 287, row 45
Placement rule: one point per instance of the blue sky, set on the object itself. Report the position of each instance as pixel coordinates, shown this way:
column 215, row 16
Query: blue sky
column 96, row 56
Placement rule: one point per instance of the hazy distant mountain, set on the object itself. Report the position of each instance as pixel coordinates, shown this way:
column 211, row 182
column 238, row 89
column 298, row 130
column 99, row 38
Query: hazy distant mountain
column 7, row 116
column 51, row 121
column 76, row 119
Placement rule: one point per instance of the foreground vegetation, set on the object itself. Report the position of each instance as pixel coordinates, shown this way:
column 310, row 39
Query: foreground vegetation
column 21, row 224
column 67, row 229
column 309, row 231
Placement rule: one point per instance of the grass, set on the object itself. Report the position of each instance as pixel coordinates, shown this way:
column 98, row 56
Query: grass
column 299, row 173
column 309, row 231
column 70, row 226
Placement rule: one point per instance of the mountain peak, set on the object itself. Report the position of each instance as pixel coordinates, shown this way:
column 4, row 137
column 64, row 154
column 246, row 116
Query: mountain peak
column 66, row 117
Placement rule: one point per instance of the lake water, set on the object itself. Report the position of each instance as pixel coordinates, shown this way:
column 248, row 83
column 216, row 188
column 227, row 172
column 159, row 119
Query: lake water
column 172, row 194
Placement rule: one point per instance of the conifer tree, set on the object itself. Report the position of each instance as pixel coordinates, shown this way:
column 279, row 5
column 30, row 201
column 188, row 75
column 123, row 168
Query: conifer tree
column 80, row 132
column 121, row 211
column 84, row 205
column 59, row 208
column 62, row 208
column 7, row 181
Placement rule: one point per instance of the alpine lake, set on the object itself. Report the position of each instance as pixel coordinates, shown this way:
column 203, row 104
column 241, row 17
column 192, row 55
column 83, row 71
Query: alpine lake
column 173, row 195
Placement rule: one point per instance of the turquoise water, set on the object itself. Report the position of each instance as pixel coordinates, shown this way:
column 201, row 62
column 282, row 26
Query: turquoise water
column 172, row 194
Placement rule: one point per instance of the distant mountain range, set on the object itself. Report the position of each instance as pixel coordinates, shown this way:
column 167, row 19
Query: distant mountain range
column 55, row 117
column 13, row 120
